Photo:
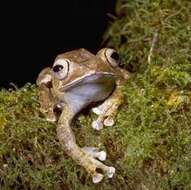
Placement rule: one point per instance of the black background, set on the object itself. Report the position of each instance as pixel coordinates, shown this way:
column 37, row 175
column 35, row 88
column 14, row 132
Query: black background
column 33, row 33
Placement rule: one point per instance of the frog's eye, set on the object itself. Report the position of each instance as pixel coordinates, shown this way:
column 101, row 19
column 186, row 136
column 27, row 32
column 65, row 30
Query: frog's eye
column 60, row 68
column 112, row 57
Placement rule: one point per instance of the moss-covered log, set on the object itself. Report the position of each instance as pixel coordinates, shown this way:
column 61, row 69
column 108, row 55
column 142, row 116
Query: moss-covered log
column 150, row 145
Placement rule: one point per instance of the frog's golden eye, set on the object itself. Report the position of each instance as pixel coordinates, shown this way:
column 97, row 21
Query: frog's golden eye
column 112, row 57
column 60, row 68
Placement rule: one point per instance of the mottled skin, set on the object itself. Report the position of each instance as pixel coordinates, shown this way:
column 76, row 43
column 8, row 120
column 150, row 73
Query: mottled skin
column 77, row 79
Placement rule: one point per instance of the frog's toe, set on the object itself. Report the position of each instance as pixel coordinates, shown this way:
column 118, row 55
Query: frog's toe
column 97, row 125
column 97, row 111
column 97, row 177
column 109, row 121
column 51, row 118
column 102, row 155
column 110, row 172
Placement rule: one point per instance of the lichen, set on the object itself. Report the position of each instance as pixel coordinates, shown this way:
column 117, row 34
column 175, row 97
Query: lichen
column 150, row 144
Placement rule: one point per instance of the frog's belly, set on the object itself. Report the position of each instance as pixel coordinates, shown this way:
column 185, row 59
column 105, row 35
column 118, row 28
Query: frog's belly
column 82, row 95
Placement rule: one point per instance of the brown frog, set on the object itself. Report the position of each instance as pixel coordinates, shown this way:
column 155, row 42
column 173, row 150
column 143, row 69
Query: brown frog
column 77, row 79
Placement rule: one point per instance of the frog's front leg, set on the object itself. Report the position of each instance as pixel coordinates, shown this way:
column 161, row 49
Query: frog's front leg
column 107, row 111
column 68, row 142
column 46, row 99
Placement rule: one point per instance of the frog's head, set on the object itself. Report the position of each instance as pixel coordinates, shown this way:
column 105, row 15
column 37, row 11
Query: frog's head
column 81, row 75
column 72, row 67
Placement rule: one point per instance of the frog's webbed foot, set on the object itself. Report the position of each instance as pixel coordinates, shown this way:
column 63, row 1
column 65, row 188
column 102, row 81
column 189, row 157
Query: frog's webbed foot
column 96, row 168
column 100, row 155
column 107, row 111
column 97, row 177
column 44, row 85
column 86, row 156
column 53, row 112
column 106, row 114
column 50, row 117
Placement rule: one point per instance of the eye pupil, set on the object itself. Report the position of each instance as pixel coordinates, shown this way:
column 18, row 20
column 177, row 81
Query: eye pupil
column 115, row 56
column 57, row 68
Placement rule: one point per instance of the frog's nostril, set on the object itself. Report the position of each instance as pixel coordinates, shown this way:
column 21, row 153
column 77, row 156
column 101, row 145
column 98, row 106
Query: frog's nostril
column 57, row 68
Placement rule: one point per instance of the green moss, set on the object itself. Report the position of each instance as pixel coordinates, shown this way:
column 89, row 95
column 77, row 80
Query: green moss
column 150, row 145
column 156, row 125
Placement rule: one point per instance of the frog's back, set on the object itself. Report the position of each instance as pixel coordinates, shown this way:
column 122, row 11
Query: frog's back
column 78, row 56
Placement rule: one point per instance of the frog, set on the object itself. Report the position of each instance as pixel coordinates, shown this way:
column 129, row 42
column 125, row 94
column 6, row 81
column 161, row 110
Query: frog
column 77, row 80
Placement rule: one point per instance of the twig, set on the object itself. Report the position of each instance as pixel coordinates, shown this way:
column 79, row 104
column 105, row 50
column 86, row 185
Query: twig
column 15, row 87
column 154, row 41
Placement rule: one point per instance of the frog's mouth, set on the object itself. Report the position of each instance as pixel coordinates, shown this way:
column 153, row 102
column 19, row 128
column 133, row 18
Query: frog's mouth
column 88, row 89
column 103, row 79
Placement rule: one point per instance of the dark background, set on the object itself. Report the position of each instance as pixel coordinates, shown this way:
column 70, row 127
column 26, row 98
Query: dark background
column 33, row 33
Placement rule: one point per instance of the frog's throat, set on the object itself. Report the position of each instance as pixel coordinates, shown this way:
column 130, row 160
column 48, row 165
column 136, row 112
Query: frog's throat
column 89, row 78
column 92, row 88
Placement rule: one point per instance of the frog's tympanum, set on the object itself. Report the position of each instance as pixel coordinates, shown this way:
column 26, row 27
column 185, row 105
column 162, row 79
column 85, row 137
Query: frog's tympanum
column 76, row 80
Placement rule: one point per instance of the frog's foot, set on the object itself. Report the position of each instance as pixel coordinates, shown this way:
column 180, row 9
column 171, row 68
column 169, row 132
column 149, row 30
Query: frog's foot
column 109, row 171
column 97, row 124
column 97, row 177
column 99, row 109
column 49, row 115
column 87, row 157
column 94, row 152
column 98, row 170
column 106, row 115
column 51, row 119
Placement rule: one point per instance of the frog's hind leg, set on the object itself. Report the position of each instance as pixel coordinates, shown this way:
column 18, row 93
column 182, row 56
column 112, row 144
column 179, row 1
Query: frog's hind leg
column 44, row 83
column 87, row 160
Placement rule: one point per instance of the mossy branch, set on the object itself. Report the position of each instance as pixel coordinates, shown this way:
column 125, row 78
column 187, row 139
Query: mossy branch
column 150, row 143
